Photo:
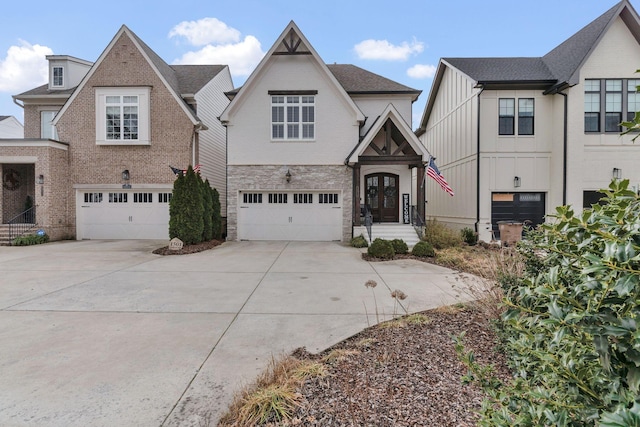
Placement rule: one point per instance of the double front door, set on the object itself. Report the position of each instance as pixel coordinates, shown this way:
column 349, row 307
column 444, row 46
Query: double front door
column 382, row 196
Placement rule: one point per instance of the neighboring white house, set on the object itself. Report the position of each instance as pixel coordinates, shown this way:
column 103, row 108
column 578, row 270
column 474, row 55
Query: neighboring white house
column 309, row 144
column 516, row 137
column 10, row 127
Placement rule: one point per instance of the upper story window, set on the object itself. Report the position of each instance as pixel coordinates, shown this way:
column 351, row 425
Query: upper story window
column 47, row 129
column 57, row 79
column 506, row 116
column 525, row 116
column 122, row 116
column 293, row 117
column 617, row 98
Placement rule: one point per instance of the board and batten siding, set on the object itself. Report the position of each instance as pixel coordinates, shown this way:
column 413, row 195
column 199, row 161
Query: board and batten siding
column 211, row 102
column 451, row 136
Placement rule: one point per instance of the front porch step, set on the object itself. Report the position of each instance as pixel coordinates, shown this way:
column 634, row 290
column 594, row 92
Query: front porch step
column 5, row 240
column 405, row 232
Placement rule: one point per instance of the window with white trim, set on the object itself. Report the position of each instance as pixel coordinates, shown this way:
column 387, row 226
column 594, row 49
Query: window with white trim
column 118, row 197
column 303, row 198
column 122, row 116
column 57, row 78
column 142, row 197
column 164, row 197
column 252, row 198
column 93, row 197
column 278, row 198
column 328, row 198
column 293, row 117
column 47, row 129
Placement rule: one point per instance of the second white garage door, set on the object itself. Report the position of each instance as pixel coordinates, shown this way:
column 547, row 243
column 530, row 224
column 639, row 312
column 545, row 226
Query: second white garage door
column 309, row 215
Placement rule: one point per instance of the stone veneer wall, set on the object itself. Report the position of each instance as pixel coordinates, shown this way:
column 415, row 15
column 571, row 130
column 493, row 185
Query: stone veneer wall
column 303, row 177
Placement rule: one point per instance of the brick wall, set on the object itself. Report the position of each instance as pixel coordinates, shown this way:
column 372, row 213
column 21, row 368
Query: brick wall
column 171, row 131
column 304, row 177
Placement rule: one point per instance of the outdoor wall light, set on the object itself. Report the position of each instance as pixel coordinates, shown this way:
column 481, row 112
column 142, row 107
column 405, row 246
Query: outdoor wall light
column 516, row 181
column 40, row 179
column 616, row 173
column 288, row 176
column 125, row 175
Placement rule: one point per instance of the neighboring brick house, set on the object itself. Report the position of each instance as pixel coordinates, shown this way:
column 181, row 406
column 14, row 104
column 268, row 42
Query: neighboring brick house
column 100, row 139
column 516, row 137
column 309, row 144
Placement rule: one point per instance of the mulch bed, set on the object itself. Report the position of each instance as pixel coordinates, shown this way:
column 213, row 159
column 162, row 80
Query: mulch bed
column 189, row 249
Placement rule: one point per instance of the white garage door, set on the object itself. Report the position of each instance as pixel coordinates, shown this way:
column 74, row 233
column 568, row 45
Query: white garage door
column 312, row 216
column 123, row 214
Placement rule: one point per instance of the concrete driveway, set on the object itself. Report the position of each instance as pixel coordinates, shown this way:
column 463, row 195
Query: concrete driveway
column 104, row 333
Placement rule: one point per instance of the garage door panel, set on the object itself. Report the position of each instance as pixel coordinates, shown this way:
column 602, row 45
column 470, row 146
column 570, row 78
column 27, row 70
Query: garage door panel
column 309, row 221
column 123, row 214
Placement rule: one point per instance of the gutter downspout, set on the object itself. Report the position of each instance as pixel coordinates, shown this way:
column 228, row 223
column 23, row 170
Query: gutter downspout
column 564, row 148
column 478, row 165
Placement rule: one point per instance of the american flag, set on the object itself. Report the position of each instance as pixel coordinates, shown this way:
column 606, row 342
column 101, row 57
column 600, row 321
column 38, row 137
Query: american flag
column 183, row 172
column 433, row 172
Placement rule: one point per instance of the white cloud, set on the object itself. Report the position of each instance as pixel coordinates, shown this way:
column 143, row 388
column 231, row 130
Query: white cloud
column 422, row 71
column 205, row 31
column 241, row 57
column 24, row 67
column 382, row 49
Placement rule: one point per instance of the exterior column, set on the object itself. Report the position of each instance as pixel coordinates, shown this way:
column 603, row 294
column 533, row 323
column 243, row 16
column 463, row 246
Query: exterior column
column 356, row 195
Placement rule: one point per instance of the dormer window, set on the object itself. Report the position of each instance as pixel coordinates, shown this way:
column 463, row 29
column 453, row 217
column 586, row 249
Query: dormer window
column 58, row 77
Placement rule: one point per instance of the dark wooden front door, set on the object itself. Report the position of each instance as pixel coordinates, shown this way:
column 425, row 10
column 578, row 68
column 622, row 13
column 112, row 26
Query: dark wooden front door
column 383, row 197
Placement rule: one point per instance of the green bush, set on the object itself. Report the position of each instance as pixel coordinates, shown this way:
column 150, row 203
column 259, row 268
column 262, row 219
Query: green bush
column 186, row 209
column 571, row 328
column 423, row 249
column 440, row 236
column 207, row 213
column 399, row 246
column 469, row 236
column 381, row 249
column 30, row 239
column 217, row 216
column 359, row 242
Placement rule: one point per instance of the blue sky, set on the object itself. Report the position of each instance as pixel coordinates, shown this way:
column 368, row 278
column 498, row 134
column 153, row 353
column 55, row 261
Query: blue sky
column 401, row 40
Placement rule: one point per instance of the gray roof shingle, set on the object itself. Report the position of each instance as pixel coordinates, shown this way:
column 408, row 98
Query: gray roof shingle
column 357, row 80
column 558, row 67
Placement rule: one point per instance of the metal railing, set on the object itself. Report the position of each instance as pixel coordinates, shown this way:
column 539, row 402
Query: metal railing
column 417, row 221
column 21, row 223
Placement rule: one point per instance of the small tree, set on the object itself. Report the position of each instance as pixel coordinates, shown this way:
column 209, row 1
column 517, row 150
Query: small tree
column 216, row 214
column 186, row 209
column 207, row 216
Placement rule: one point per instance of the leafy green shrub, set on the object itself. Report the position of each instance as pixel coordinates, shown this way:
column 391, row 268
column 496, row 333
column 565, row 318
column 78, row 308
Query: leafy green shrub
column 207, row 213
column 423, row 249
column 381, row 249
column 359, row 242
column 399, row 246
column 30, row 239
column 571, row 328
column 186, row 209
column 440, row 236
column 469, row 236
column 217, row 215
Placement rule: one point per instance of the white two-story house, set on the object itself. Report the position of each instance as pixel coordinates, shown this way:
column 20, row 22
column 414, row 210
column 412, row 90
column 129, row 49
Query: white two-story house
column 516, row 137
column 310, row 145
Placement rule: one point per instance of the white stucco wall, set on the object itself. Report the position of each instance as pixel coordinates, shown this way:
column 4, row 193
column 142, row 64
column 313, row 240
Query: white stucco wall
column 249, row 128
column 373, row 106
